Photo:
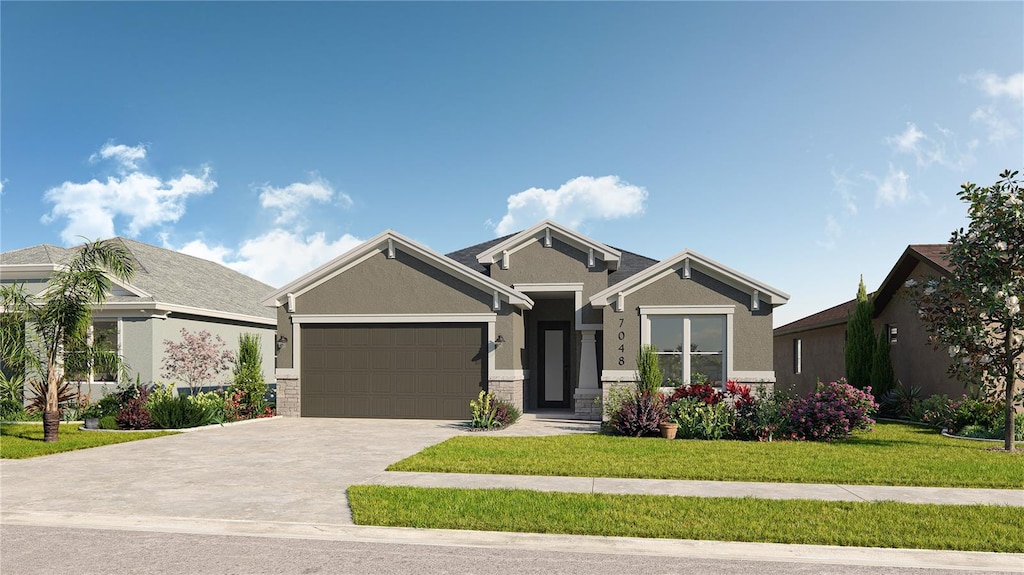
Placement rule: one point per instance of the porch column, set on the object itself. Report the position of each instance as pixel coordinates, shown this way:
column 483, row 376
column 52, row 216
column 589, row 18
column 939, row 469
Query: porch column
column 587, row 393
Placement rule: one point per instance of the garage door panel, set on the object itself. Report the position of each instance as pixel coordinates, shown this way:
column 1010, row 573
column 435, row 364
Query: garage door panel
column 392, row 371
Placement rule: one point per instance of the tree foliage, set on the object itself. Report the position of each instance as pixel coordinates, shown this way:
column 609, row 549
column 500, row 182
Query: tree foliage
column 882, row 377
column 197, row 359
column 860, row 340
column 974, row 312
column 60, row 317
column 249, row 373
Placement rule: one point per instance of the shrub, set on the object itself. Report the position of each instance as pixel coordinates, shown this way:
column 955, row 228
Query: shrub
column 108, row 422
column 133, row 413
column 648, row 372
column 179, row 413
column 211, row 401
column 505, row 413
column 37, row 403
column 248, row 374
column 899, row 401
column 968, row 411
column 617, row 395
column 11, row 410
column 831, row 412
column 702, row 391
column 762, row 419
column 483, row 411
column 639, row 415
column 698, row 419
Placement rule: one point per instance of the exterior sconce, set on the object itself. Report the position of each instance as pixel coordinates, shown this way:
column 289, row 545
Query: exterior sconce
column 498, row 341
column 280, row 341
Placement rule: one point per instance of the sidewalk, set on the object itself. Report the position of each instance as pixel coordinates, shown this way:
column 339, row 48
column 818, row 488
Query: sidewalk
column 946, row 495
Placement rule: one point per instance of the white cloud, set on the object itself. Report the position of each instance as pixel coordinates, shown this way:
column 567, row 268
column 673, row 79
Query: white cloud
column 996, row 86
column 833, row 231
column 999, row 128
column 127, row 156
column 275, row 257
column 931, row 149
column 893, row 189
column 844, row 187
column 576, row 201
column 293, row 199
column 145, row 200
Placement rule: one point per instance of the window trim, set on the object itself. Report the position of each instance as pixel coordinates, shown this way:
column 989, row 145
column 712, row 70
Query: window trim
column 798, row 355
column 690, row 310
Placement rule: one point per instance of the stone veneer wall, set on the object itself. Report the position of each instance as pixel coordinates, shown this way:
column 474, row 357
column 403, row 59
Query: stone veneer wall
column 587, row 406
column 508, row 390
column 288, row 397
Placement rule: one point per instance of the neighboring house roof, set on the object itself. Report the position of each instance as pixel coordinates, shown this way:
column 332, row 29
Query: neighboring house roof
column 165, row 281
column 932, row 255
column 546, row 230
column 686, row 260
column 387, row 242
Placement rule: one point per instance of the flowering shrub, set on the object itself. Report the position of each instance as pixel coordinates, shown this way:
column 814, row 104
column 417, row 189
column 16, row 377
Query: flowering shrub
column 831, row 412
column 134, row 414
column 640, row 415
column 761, row 418
column 702, row 391
column 237, row 408
column 505, row 413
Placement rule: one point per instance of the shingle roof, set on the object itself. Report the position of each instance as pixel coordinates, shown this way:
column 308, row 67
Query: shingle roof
column 629, row 264
column 832, row 316
column 170, row 277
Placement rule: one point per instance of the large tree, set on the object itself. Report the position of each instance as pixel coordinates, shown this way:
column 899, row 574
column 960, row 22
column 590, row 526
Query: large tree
column 59, row 317
column 974, row 312
column 860, row 340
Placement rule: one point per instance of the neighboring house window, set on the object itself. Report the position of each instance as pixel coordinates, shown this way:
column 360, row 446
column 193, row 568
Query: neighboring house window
column 103, row 335
column 890, row 328
column 798, row 355
column 703, row 337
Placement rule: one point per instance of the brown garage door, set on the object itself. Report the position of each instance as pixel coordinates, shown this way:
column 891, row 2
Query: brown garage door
column 427, row 371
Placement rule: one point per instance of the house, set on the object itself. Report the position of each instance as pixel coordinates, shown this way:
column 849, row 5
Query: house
column 545, row 318
column 813, row 348
column 170, row 291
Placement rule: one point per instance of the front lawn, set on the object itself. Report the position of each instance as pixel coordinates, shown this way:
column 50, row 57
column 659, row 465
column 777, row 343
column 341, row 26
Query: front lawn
column 21, row 441
column 861, row 524
column 893, row 454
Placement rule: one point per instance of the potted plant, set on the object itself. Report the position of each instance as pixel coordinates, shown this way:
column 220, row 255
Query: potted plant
column 92, row 415
column 668, row 429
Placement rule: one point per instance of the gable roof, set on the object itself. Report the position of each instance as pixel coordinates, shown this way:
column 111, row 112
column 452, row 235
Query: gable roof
column 388, row 241
column 704, row 264
column 165, row 280
column 932, row 255
column 546, row 229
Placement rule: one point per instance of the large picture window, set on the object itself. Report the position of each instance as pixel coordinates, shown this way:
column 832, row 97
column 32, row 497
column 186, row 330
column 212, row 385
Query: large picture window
column 82, row 368
column 690, row 348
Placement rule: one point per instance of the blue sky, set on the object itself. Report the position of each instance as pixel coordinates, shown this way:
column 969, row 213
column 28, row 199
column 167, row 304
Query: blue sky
column 802, row 144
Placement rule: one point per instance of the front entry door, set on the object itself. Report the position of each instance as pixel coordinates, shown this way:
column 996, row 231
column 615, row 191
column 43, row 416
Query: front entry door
column 553, row 362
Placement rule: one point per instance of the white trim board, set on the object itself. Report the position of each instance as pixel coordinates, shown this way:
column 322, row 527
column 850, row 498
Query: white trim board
column 576, row 288
column 360, row 318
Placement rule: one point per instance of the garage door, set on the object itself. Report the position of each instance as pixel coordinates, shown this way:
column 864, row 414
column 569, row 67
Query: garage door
column 424, row 371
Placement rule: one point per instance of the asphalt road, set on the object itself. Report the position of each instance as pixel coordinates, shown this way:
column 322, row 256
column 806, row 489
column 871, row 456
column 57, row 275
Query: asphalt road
column 38, row 550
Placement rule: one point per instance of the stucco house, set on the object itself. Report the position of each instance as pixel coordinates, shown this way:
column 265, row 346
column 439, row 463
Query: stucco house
column 170, row 291
column 813, row 348
column 545, row 318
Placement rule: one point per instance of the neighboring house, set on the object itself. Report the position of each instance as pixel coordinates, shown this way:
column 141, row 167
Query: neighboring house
column 813, row 348
column 170, row 291
column 544, row 318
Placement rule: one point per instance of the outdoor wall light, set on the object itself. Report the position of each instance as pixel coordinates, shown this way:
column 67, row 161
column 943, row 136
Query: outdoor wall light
column 498, row 341
column 281, row 340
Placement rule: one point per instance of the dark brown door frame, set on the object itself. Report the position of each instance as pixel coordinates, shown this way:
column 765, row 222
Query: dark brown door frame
column 563, row 326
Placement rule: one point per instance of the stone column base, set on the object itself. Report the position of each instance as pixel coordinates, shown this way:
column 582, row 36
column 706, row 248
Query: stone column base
column 288, row 397
column 588, row 403
column 508, row 390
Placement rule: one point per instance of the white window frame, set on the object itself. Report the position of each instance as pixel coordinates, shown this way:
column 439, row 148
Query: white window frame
column 798, row 355
column 119, row 326
column 646, row 312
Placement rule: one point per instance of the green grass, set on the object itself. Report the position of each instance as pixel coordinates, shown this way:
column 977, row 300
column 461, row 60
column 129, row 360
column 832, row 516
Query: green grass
column 893, row 454
column 21, row 441
column 861, row 524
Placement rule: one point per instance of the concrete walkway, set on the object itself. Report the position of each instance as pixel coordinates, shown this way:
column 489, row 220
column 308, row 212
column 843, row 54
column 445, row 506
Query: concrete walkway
column 954, row 496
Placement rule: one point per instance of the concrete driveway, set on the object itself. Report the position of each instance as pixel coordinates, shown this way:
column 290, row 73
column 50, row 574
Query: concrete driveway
column 284, row 469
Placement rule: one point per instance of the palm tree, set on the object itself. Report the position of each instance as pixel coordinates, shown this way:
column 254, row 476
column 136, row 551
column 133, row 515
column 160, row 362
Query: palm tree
column 61, row 314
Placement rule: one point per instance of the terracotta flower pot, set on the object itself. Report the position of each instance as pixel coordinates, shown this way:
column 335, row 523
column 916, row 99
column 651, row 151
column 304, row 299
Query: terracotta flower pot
column 668, row 430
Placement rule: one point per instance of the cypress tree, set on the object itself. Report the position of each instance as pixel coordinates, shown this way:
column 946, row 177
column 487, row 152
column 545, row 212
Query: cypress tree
column 882, row 377
column 860, row 340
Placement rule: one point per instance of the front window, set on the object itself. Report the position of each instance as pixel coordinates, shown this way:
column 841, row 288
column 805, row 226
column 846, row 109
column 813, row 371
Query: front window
column 103, row 337
column 703, row 337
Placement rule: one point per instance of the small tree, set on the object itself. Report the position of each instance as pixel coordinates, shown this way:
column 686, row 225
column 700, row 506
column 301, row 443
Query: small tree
column 974, row 312
column 60, row 317
column 197, row 359
column 249, row 373
column 648, row 372
column 882, row 377
column 860, row 340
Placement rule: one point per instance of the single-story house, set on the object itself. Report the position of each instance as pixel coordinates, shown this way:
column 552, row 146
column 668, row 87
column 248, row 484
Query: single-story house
column 545, row 318
column 813, row 348
column 170, row 291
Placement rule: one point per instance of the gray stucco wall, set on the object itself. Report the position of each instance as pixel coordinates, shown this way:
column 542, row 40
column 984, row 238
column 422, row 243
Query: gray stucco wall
column 823, row 358
column 752, row 330
column 561, row 263
column 170, row 329
column 137, row 348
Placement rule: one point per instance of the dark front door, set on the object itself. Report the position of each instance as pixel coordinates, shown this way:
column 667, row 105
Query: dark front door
column 553, row 364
